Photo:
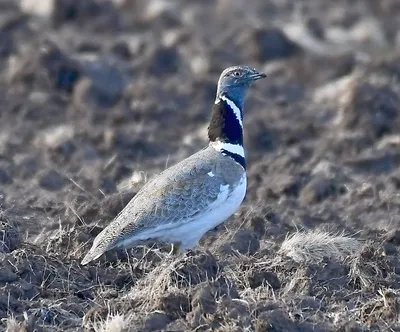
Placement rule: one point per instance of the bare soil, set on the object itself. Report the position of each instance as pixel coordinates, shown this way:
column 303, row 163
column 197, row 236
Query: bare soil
column 98, row 96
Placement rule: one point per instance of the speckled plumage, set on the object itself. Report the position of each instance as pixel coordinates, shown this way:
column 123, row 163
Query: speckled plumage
column 178, row 195
column 186, row 200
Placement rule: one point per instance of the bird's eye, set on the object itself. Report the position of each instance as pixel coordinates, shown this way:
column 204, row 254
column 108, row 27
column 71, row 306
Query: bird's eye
column 236, row 74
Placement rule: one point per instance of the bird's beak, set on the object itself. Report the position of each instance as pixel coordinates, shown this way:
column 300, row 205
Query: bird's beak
column 257, row 76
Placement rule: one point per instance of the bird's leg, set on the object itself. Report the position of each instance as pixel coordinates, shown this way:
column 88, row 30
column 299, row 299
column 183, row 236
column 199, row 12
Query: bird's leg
column 172, row 250
column 175, row 248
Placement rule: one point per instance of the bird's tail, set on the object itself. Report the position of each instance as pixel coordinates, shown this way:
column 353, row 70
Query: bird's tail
column 92, row 255
column 102, row 243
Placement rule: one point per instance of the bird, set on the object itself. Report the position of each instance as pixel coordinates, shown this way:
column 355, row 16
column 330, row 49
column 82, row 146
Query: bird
column 197, row 194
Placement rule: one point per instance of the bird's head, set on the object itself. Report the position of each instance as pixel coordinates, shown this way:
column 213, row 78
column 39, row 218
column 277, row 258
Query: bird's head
column 235, row 81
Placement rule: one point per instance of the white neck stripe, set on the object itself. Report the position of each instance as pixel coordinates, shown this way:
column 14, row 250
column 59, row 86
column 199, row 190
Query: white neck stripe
column 233, row 148
column 234, row 108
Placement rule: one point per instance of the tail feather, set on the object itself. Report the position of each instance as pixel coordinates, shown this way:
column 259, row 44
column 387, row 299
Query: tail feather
column 92, row 255
column 102, row 243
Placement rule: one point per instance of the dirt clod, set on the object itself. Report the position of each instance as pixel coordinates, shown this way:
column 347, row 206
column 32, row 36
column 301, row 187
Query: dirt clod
column 245, row 242
column 269, row 44
column 10, row 238
column 258, row 278
column 52, row 180
column 372, row 108
column 156, row 321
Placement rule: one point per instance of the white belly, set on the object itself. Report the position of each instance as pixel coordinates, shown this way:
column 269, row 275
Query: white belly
column 190, row 232
column 226, row 205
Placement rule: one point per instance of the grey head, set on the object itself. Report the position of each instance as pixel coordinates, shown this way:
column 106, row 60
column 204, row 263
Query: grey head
column 235, row 81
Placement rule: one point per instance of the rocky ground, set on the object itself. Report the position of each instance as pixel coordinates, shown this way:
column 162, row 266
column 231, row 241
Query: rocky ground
column 98, row 96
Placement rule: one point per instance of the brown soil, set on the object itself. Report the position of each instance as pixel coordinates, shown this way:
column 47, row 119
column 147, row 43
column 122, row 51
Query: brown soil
column 98, row 96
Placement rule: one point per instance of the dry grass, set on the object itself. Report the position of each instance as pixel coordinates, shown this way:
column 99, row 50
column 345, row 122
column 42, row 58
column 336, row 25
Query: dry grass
column 12, row 325
column 313, row 246
column 368, row 267
column 157, row 283
column 383, row 308
column 167, row 286
column 298, row 282
column 113, row 323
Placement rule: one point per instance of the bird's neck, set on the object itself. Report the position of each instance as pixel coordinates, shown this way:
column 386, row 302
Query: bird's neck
column 225, row 131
